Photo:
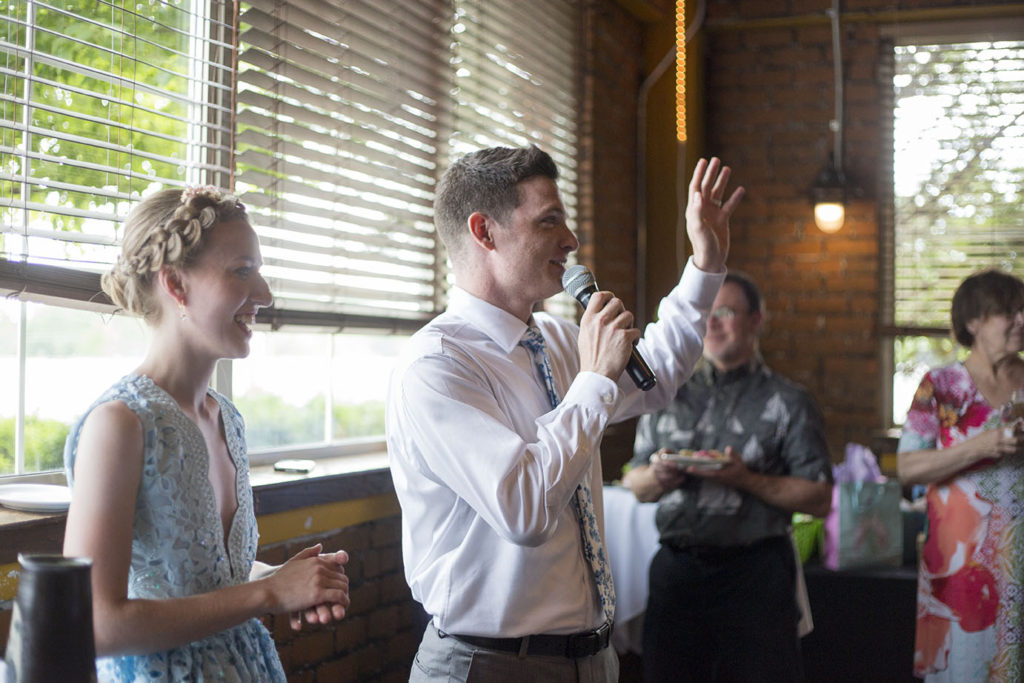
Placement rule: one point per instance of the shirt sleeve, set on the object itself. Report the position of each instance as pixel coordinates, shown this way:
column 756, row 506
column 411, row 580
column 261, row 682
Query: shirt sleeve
column 672, row 345
column 645, row 441
column 450, row 424
column 804, row 447
column 921, row 428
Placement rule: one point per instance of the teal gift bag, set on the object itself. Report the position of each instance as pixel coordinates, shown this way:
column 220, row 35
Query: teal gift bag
column 865, row 526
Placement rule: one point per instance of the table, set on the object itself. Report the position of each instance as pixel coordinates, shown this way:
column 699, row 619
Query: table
column 864, row 625
column 632, row 540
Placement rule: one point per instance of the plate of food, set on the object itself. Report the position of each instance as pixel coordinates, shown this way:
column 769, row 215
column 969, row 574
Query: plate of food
column 705, row 459
column 35, row 497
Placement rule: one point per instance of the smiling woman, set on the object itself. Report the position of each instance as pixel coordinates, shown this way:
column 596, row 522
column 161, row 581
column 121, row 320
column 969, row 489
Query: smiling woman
column 159, row 471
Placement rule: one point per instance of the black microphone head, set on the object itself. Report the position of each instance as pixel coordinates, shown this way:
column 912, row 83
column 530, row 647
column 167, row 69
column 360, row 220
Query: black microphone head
column 577, row 279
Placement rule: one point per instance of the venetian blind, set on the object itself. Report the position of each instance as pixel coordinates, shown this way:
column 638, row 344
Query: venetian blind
column 958, row 172
column 102, row 102
column 348, row 112
column 337, row 153
column 516, row 82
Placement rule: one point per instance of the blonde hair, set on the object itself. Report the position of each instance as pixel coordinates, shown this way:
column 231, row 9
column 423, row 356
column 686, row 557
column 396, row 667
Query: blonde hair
column 165, row 229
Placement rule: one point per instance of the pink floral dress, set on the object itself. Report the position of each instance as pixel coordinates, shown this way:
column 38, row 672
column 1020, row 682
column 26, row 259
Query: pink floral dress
column 969, row 595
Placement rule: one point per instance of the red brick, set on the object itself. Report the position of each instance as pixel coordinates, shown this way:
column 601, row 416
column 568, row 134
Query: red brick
column 383, row 622
column 394, row 588
column 337, row 671
column 369, row 660
column 395, row 675
column 387, row 532
column 403, row 646
column 366, row 598
column 302, row 676
column 313, row 646
column 272, row 554
column 350, row 633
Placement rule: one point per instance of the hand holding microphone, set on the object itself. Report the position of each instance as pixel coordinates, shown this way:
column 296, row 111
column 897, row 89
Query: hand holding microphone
column 579, row 283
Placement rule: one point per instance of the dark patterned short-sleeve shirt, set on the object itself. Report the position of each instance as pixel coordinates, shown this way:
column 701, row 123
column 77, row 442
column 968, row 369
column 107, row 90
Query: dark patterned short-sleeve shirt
column 773, row 423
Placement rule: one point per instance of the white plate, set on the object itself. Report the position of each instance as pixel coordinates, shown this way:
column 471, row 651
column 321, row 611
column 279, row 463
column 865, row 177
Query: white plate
column 35, row 497
column 694, row 461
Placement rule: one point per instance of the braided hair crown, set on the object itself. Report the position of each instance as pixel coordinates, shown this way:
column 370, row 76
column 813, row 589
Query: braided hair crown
column 165, row 229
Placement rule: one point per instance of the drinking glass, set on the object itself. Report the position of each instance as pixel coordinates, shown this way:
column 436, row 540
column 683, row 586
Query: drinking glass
column 1014, row 409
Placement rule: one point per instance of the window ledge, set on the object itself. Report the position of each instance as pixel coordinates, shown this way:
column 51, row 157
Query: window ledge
column 264, row 474
column 333, row 480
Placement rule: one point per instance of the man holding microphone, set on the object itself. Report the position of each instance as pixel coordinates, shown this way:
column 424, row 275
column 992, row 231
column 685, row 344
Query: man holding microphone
column 494, row 422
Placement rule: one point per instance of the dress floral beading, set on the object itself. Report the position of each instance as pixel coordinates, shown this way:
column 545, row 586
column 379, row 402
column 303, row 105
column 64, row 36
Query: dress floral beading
column 178, row 545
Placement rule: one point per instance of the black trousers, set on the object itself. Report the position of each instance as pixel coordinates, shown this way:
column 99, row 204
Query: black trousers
column 728, row 615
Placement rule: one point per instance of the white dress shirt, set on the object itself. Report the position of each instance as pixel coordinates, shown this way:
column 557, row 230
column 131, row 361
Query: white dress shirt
column 485, row 470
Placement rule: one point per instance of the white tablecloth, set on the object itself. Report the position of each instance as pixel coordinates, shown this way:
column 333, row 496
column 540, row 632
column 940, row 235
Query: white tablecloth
column 632, row 540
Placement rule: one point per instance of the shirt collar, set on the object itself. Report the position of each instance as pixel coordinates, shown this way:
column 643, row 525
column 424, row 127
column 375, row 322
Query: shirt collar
column 714, row 376
column 505, row 329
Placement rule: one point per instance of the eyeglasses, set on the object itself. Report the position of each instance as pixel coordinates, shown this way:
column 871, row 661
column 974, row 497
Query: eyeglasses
column 723, row 313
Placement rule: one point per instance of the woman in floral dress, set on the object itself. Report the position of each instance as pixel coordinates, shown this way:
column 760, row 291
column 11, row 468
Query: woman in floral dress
column 970, row 597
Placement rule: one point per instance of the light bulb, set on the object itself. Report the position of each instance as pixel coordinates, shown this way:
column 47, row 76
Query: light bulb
column 829, row 216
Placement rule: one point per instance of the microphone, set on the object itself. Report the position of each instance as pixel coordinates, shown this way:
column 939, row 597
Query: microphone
column 579, row 283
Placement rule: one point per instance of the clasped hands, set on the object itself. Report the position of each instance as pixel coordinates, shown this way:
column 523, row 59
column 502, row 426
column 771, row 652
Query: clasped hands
column 311, row 586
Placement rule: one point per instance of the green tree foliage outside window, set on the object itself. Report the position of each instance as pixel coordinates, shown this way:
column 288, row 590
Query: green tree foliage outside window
column 90, row 96
column 271, row 422
column 44, row 444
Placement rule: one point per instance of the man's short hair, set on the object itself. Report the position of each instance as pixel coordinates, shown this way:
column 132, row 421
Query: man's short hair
column 486, row 181
column 755, row 303
column 987, row 292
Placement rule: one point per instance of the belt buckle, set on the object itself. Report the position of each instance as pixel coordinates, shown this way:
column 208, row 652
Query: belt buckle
column 590, row 643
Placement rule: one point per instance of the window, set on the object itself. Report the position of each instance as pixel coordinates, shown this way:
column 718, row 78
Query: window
column 958, row 170
column 515, row 82
column 100, row 103
column 70, row 357
column 331, row 120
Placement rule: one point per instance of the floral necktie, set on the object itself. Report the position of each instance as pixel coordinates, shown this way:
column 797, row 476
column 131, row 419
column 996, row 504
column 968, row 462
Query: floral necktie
column 593, row 547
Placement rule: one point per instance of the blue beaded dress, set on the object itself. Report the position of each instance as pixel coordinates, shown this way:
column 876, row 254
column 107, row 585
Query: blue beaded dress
column 178, row 545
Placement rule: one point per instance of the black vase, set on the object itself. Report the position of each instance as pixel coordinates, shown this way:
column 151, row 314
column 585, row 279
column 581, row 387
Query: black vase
column 51, row 637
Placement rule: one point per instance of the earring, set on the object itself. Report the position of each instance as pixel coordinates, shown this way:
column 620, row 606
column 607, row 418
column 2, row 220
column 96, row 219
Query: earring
column 181, row 309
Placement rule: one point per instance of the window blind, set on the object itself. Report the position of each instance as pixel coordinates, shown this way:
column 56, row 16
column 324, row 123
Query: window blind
column 348, row 112
column 337, row 152
column 101, row 102
column 515, row 81
column 332, row 121
column 958, row 172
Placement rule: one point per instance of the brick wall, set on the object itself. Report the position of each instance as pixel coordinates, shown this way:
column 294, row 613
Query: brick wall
column 770, row 100
column 767, row 100
column 612, row 73
column 378, row 638
column 374, row 643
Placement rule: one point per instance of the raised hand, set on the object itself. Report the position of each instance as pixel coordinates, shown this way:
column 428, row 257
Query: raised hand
column 707, row 214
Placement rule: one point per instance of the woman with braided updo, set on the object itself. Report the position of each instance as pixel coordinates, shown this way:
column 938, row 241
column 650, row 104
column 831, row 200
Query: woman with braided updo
column 159, row 473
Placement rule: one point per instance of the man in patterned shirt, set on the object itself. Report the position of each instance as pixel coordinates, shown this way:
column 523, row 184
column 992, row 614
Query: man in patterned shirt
column 722, row 601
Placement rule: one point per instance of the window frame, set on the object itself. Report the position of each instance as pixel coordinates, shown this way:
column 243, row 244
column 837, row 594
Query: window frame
column 937, row 32
column 72, row 287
